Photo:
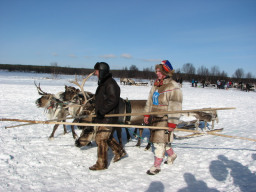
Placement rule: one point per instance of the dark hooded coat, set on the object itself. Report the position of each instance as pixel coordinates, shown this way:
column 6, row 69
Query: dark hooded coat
column 107, row 99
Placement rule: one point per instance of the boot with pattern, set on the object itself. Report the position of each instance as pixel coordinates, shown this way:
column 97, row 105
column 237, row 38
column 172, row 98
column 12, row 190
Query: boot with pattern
column 102, row 153
column 119, row 155
column 171, row 156
column 171, row 159
column 117, row 149
column 155, row 169
column 97, row 167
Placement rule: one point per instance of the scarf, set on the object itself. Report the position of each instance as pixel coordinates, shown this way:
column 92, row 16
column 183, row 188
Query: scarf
column 158, row 82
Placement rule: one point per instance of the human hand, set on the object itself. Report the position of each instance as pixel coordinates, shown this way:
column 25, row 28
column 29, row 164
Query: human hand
column 171, row 126
column 146, row 119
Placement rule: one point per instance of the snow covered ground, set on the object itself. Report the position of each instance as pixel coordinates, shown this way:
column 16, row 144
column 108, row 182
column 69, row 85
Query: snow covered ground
column 31, row 162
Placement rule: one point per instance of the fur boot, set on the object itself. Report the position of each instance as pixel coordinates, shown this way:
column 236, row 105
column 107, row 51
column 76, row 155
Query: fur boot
column 171, row 156
column 117, row 149
column 102, row 153
column 156, row 167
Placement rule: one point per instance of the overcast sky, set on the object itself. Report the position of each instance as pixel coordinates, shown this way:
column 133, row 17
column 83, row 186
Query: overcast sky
column 122, row 33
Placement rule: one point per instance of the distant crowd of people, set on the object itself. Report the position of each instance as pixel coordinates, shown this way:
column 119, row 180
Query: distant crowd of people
column 222, row 84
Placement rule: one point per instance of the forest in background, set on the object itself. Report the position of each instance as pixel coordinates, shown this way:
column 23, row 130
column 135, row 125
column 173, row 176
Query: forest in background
column 186, row 73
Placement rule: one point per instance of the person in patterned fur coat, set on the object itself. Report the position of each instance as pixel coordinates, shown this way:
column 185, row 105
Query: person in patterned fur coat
column 165, row 95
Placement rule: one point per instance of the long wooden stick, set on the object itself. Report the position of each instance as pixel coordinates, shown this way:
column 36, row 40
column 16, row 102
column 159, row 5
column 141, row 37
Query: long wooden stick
column 20, row 125
column 84, row 124
column 233, row 137
column 138, row 114
column 165, row 112
column 128, row 126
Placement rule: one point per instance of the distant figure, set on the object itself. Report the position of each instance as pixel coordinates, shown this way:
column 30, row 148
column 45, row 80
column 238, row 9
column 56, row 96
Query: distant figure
column 181, row 80
column 203, row 83
column 218, row 84
column 196, row 83
column 247, row 87
column 241, row 85
column 230, row 84
column 193, row 82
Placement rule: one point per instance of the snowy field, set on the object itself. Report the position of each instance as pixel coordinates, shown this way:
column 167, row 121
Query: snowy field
column 31, row 162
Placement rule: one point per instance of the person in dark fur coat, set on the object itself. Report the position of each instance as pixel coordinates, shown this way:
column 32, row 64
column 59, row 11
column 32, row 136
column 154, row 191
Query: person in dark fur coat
column 106, row 102
column 165, row 95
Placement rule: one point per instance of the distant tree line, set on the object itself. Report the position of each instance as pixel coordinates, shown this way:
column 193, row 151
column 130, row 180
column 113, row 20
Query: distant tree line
column 189, row 72
column 186, row 73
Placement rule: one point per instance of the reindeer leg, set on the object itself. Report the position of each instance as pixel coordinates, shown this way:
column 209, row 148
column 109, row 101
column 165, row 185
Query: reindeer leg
column 119, row 135
column 197, row 124
column 139, row 138
column 138, row 143
column 148, row 146
column 73, row 129
column 212, row 124
column 128, row 134
column 64, row 127
column 135, row 132
column 73, row 132
column 53, row 131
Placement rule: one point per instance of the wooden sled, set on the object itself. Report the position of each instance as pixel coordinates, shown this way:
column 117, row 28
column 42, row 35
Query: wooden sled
column 190, row 125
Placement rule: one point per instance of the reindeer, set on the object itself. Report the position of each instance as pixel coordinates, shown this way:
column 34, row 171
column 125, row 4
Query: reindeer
column 124, row 81
column 56, row 106
column 206, row 116
column 59, row 106
column 127, row 81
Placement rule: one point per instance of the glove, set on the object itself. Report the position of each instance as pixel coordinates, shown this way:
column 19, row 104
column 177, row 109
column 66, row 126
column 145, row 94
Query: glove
column 146, row 117
column 171, row 126
column 99, row 115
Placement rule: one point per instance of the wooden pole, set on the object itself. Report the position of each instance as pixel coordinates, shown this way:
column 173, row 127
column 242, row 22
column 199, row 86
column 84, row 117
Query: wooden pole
column 134, row 114
column 233, row 137
column 166, row 112
column 126, row 126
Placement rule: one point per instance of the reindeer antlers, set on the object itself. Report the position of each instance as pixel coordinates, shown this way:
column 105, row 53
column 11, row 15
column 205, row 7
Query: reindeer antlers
column 82, row 85
column 40, row 92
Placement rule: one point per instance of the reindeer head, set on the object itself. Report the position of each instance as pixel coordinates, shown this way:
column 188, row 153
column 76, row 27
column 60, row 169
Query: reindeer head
column 70, row 94
column 45, row 99
column 87, row 135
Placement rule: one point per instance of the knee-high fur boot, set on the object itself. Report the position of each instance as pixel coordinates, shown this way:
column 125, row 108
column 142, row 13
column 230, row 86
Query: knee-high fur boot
column 102, row 153
column 117, row 149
